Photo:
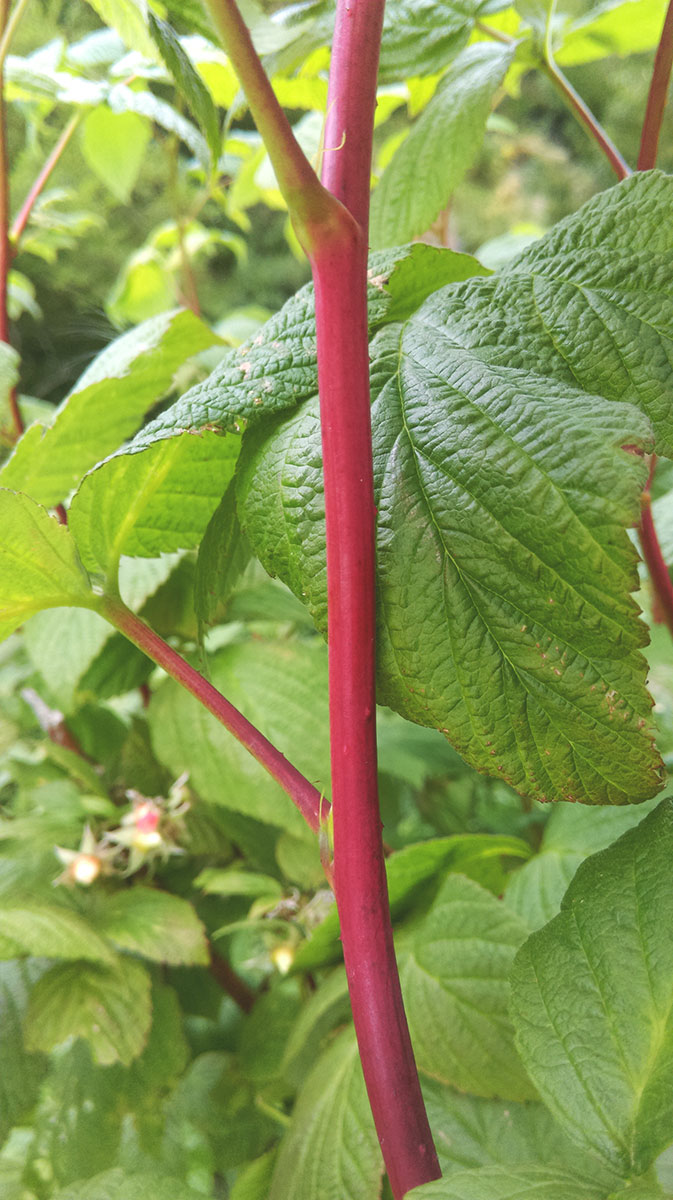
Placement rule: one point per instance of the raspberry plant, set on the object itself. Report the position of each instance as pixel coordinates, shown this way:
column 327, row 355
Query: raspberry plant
column 443, row 466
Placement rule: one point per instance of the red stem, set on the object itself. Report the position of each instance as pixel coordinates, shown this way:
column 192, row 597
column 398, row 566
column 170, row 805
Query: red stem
column 656, row 100
column 654, row 559
column 231, row 983
column 22, row 217
column 340, row 272
column 304, row 795
column 618, row 163
column 5, row 246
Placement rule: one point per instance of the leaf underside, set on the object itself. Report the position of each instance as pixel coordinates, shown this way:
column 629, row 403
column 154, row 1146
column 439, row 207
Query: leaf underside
column 501, row 409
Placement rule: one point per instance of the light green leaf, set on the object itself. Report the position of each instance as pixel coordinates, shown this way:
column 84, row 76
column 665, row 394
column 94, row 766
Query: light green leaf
column 631, row 28
column 39, row 567
column 156, row 924
column 107, row 1006
column 188, row 81
column 62, row 643
column 331, row 1148
column 9, row 374
column 591, row 1000
column 454, row 966
column 114, row 146
column 572, row 833
column 441, row 146
column 122, row 99
column 470, row 1132
column 105, row 407
column 118, row 1185
column 230, row 882
column 47, row 931
column 159, row 500
column 129, row 18
column 254, row 1181
column 421, row 37
column 509, row 1183
column 282, row 688
column 20, row 1072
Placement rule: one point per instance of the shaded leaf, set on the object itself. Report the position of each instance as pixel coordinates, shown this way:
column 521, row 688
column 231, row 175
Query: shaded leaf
column 591, row 1000
column 118, row 1185
column 331, row 1147
column 454, row 966
column 107, row 1006
column 105, row 406
column 20, row 1072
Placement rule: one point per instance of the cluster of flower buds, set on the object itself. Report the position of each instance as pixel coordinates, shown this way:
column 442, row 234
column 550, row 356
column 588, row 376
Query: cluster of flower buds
column 148, row 832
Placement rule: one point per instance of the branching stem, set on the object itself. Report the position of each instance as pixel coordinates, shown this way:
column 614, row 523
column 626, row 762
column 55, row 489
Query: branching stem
column 22, row 217
column 304, row 795
column 654, row 559
column 584, row 114
column 656, row 100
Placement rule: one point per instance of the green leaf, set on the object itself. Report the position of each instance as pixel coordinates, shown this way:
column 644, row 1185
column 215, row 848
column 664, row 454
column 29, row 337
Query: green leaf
column 572, row 833
column 254, row 1181
column 9, row 375
column 471, row 1132
column 114, row 146
column 279, row 369
column 118, row 1185
column 410, row 873
column 156, row 924
column 158, row 500
column 326, row 1008
column 266, row 1031
column 20, row 1072
column 188, row 81
column 331, row 1148
column 107, row 1006
column 441, row 146
column 46, row 931
column 129, row 18
column 591, row 1000
column 454, row 966
column 62, row 643
column 105, row 406
column 223, row 555
column 503, row 497
column 420, row 37
column 282, row 688
column 122, row 99
column 231, row 882
column 39, row 567
column 509, row 1183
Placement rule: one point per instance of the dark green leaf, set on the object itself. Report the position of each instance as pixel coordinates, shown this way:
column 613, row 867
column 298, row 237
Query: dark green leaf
column 592, row 1000
column 20, row 1072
